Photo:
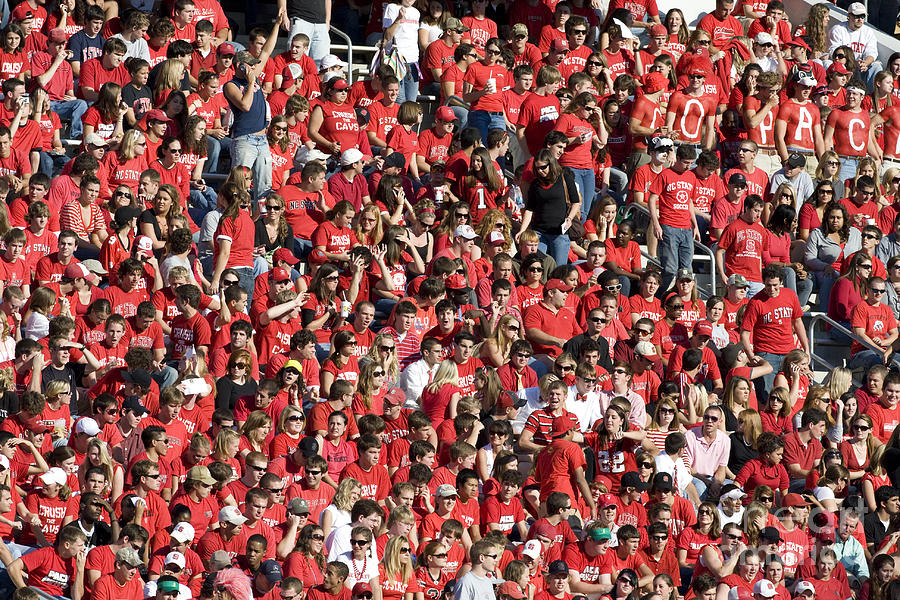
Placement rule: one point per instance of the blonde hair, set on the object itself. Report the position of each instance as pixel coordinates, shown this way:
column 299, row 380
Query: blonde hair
column 223, row 439
column 288, row 412
column 255, row 420
column 446, row 374
column 106, row 461
column 393, row 568
column 783, row 394
column 838, row 381
column 752, row 425
column 345, row 488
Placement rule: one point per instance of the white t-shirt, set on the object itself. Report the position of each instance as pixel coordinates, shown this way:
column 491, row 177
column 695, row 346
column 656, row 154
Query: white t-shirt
column 364, row 570
column 406, row 36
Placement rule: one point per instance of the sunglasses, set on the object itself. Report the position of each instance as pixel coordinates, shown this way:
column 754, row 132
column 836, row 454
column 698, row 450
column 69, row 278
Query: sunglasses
column 240, row 366
column 645, row 465
column 565, row 368
column 643, row 332
column 377, row 373
column 358, row 542
column 124, row 195
column 535, row 269
column 595, row 63
column 870, row 236
column 272, row 208
column 710, row 418
column 295, row 418
column 462, row 215
column 313, row 472
column 227, row 282
column 523, row 355
column 385, row 348
column 175, row 150
column 766, row 499
column 492, row 52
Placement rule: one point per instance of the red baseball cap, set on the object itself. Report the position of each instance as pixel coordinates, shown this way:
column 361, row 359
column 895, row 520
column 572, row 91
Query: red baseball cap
column 561, row 426
column 558, row 284
column 279, row 275
column 559, row 45
column 317, row 257
column 703, row 328
column 445, row 113
column 837, row 67
column 655, row 82
column 285, row 255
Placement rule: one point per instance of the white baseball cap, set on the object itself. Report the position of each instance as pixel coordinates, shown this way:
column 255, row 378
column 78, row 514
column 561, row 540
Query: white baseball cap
column 465, row 231
column 331, row 60
column 857, row 8
column 804, row 586
column 87, row 425
column 350, row 157
column 231, row 514
column 183, row 532
column 765, row 588
column 533, row 549
column 175, row 558
column 764, row 37
column 54, row 475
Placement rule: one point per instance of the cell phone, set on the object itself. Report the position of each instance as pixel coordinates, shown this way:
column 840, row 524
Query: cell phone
column 24, row 99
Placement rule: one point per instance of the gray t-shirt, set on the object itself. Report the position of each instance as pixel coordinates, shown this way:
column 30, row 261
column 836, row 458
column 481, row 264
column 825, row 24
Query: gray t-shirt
column 472, row 587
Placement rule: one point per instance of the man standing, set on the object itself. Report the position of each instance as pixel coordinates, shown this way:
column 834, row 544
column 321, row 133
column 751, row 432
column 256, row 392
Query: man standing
column 861, row 39
column 797, row 126
column 847, row 130
column 759, row 112
column 691, row 110
column 477, row 583
column 312, row 18
column 248, row 105
column 548, row 325
column 742, row 244
column 708, row 449
column 772, row 318
column 757, row 179
column 672, row 214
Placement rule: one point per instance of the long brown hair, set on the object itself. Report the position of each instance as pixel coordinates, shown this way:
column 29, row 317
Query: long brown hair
column 554, row 172
column 487, row 175
column 282, row 221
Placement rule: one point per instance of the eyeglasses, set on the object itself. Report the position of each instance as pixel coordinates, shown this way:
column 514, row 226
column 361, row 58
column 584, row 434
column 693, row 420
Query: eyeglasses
column 257, row 468
column 660, row 538
column 272, row 208
column 515, row 328
column 699, row 77
column 746, row 150
column 596, row 319
column 676, row 306
column 626, row 580
column 124, row 195
column 404, row 550
column 541, row 167
column 595, row 63
column 579, row 31
column 157, row 476
column 523, row 355
column 829, row 192
column 460, row 215
column 175, row 150
column 281, row 128
column 227, row 282
column 667, row 411
column 365, row 596
column 731, row 536
column 840, row 56
column 786, row 195
column 377, row 373
column 359, row 542
column 317, row 536
column 164, row 441
column 704, row 42
column 710, row 418
column 645, row 465
column 332, row 278
column 861, row 427
column 492, row 52
column 704, row 511
column 490, row 556
column 521, row 37
column 441, row 555
column 535, row 269
column 590, row 379
column 565, row 367
column 111, row 411
column 274, row 490
column 643, row 332
column 614, row 288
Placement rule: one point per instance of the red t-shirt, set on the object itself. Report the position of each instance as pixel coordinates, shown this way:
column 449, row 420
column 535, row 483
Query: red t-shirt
column 770, row 321
column 800, row 121
column 48, row 572
column 577, row 154
column 675, row 192
column 851, row 131
column 478, row 73
column 690, row 114
column 877, row 321
column 744, row 244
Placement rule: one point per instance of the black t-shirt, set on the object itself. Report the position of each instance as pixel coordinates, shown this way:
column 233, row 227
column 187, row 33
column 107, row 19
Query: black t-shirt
column 548, row 204
column 9, row 404
column 308, row 10
column 741, row 453
column 140, row 100
column 71, row 374
column 228, row 392
column 262, row 238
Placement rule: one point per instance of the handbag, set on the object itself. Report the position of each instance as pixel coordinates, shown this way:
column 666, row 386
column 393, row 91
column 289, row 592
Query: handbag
column 390, row 57
column 576, row 229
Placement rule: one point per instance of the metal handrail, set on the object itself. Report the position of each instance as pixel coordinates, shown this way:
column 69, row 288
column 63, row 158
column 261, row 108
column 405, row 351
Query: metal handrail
column 349, row 42
column 697, row 246
column 819, row 317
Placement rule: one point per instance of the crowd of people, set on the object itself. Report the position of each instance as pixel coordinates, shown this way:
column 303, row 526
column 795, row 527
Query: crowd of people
column 271, row 333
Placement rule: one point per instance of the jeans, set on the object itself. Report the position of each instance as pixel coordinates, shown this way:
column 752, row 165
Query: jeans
column 214, row 148
column 383, row 308
column 618, row 184
column 202, row 203
column 319, row 38
column 323, row 350
column 586, row 182
column 803, row 287
column 484, row 121
column 165, row 377
column 675, row 250
column 848, row 168
column 248, row 281
column 556, row 245
column 52, row 164
column 72, row 110
column 409, row 85
column 260, row 266
column 864, row 360
column 463, row 115
column 253, row 151
column 825, row 284
column 753, row 288
column 302, row 247
column 775, row 360
column 875, row 68
column 626, row 286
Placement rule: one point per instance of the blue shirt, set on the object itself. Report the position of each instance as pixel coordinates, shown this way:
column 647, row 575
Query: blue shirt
column 249, row 121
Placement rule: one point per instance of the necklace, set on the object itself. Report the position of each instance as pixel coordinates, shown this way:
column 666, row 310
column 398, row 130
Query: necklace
column 357, row 575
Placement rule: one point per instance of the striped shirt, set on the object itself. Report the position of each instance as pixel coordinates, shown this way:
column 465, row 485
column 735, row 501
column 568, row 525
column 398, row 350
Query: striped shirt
column 71, row 218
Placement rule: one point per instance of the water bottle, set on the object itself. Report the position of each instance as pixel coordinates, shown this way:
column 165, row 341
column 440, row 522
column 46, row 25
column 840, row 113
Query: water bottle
column 516, row 194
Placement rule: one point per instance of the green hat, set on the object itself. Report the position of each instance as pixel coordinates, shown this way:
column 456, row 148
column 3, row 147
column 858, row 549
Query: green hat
column 168, row 585
column 599, row 534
